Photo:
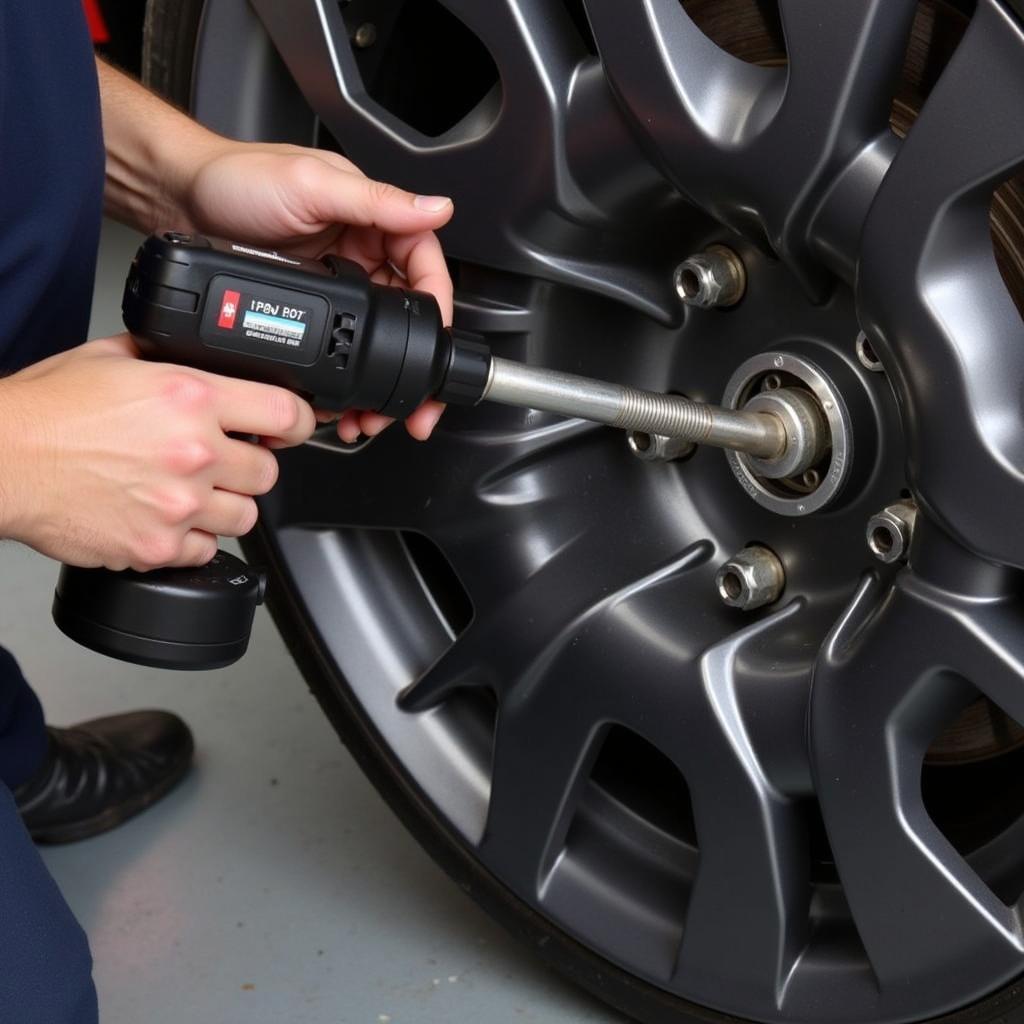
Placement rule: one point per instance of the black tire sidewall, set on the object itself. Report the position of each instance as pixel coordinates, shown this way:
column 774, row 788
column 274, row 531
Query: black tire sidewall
column 169, row 37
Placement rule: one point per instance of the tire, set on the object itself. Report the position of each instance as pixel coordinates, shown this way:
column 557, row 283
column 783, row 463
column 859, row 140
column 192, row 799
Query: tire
column 168, row 46
column 907, row 815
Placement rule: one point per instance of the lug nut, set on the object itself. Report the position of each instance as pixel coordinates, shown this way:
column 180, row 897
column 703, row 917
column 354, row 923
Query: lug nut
column 890, row 531
column 657, row 448
column 715, row 277
column 867, row 355
column 751, row 578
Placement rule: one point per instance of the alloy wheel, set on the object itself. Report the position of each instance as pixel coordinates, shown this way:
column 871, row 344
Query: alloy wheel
column 809, row 811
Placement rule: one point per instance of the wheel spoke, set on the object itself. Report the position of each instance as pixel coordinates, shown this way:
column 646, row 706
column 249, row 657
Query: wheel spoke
column 752, row 880
column 843, row 70
column 535, row 56
column 519, row 205
column 493, row 539
column 752, row 890
column 995, row 634
column 752, row 885
column 544, row 748
column 439, row 488
column 534, row 622
column 694, row 105
column 954, row 341
column 555, row 706
column 323, row 486
column 929, row 924
column 762, row 161
column 835, row 229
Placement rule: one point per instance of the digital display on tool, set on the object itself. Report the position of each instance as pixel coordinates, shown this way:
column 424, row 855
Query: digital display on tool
column 264, row 321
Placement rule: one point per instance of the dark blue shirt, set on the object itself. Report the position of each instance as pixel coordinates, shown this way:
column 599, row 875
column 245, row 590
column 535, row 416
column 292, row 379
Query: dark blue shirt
column 51, row 178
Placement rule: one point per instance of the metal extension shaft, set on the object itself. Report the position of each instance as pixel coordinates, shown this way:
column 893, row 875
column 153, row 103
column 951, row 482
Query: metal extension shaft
column 511, row 383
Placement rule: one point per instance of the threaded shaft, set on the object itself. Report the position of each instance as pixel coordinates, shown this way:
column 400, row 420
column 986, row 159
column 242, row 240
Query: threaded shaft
column 632, row 409
column 670, row 416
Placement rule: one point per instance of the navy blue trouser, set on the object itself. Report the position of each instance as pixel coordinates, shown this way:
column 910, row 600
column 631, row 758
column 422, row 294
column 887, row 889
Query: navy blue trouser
column 45, row 965
column 51, row 188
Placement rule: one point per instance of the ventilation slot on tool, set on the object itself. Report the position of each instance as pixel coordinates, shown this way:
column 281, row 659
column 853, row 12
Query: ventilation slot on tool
column 342, row 335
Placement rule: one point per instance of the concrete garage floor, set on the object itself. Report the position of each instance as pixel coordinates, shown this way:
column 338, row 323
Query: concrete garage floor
column 274, row 886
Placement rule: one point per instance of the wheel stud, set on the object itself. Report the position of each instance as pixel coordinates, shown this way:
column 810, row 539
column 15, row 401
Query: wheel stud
column 656, row 448
column 365, row 36
column 751, row 578
column 715, row 277
column 890, row 531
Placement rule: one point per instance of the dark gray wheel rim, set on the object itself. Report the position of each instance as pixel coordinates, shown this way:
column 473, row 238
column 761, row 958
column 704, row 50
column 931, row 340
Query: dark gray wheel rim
column 580, row 183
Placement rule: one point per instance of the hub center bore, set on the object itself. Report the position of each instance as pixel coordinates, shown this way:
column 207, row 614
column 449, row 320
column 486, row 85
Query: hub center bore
column 819, row 447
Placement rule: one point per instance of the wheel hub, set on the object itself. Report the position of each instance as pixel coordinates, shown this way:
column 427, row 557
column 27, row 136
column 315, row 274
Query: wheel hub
column 819, row 466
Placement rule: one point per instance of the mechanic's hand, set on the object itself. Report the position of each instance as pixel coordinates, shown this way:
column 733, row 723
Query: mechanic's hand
column 109, row 460
column 313, row 202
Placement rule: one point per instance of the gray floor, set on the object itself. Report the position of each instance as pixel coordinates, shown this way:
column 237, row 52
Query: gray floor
column 274, row 885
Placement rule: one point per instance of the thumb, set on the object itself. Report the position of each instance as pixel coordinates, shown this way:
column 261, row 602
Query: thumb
column 347, row 198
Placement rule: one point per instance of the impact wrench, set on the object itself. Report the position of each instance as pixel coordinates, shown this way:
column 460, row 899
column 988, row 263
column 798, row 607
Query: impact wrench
column 322, row 329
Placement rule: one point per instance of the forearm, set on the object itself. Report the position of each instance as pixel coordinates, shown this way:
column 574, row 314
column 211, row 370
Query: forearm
column 153, row 151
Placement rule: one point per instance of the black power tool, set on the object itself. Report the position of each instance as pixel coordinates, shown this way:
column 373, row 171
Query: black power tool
column 323, row 329
column 320, row 328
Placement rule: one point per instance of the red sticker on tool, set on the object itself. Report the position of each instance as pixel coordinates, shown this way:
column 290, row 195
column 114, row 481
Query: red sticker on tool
column 228, row 309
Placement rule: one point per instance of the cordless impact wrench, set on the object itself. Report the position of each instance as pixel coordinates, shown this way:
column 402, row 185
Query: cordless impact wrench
column 322, row 329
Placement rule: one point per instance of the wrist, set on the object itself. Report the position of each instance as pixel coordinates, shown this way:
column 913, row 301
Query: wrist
column 153, row 153
column 179, row 160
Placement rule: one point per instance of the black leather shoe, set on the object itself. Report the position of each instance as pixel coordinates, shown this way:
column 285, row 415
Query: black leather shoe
column 103, row 772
